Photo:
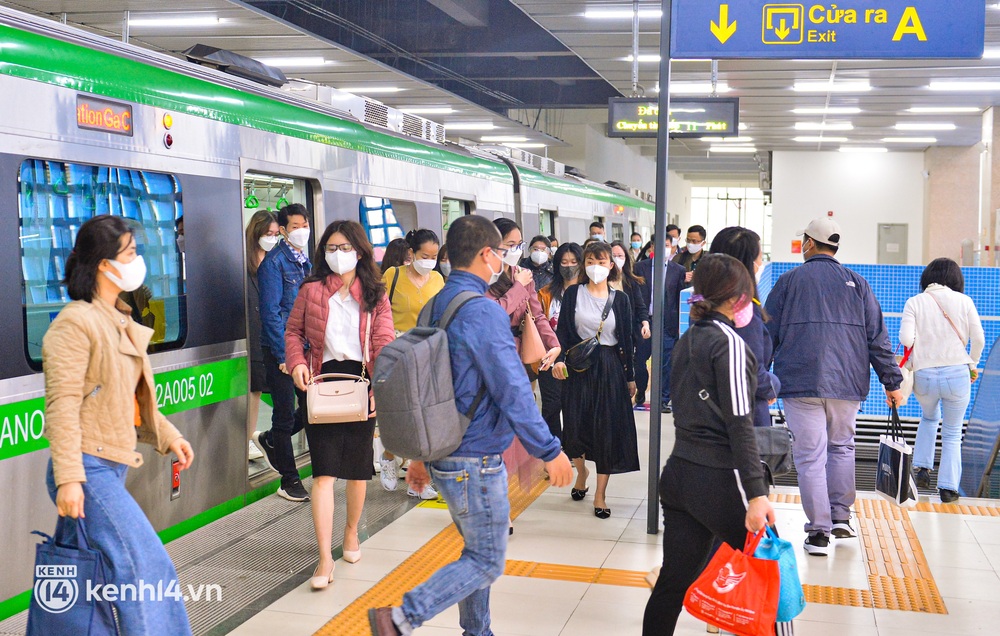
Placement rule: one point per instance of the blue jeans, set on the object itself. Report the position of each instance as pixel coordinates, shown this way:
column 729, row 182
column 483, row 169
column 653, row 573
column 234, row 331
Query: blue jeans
column 287, row 418
column 942, row 391
column 475, row 489
column 133, row 554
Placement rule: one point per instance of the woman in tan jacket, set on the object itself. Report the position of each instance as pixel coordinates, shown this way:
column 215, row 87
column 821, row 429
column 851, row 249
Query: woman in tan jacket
column 99, row 401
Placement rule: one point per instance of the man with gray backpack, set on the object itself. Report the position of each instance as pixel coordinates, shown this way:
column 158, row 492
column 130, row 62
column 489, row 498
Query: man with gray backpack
column 492, row 398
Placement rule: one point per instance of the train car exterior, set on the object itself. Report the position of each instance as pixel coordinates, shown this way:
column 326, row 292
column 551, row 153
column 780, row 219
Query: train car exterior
column 92, row 126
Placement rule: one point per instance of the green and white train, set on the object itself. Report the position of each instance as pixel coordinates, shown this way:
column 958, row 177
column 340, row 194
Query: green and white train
column 92, row 126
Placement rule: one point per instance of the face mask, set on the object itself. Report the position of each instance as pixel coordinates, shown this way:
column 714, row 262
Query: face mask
column 180, row 242
column 744, row 314
column 598, row 273
column 675, row 241
column 758, row 273
column 342, row 262
column 512, row 258
column 636, row 245
column 445, row 268
column 620, row 262
column 494, row 276
column 694, row 248
column 299, row 237
column 539, row 257
column 597, row 237
column 569, row 272
column 132, row 274
column 552, row 250
column 267, row 243
column 424, row 265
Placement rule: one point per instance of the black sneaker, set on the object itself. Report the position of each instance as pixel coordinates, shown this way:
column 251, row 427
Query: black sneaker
column 293, row 491
column 923, row 478
column 948, row 496
column 666, row 408
column 843, row 530
column 260, row 441
column 817, row 543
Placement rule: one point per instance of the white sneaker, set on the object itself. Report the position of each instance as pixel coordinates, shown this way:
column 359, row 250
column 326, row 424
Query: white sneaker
column 254, row 452
column 428, row 494
column 388, row 473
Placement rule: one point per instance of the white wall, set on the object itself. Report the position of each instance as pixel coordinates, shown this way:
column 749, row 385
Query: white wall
column 862, row 190
column 678, row 200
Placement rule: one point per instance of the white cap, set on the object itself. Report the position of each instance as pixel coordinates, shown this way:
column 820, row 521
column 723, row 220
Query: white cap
column 823, row 230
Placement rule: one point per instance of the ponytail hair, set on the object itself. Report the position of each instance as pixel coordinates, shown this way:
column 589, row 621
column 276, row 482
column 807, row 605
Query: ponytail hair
column 98, row 239
column 415, row 239
column 718, row 279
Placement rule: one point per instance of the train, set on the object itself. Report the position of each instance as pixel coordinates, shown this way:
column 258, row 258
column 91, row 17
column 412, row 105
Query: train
column 95, row 126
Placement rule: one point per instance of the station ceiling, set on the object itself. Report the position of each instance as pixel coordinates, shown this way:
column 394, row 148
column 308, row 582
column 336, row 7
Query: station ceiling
column 476, row 61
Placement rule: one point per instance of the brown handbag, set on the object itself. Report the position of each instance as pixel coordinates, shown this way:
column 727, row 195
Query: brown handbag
column 338, row 398
column 532, row 349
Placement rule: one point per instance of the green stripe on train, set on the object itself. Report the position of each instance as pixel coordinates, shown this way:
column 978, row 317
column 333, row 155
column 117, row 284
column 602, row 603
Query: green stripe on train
column 44, row 59
column 22, row 423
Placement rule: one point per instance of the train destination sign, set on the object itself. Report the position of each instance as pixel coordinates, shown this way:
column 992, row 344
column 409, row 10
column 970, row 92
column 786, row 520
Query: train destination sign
column 100, row 114
column 849, row 29
column 630, row 117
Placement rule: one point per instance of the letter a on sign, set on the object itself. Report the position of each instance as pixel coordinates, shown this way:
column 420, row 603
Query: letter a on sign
column 910, row 25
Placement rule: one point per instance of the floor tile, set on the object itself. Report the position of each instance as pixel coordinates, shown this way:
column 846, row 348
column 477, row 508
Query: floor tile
column 269, row 623
column 373, row 566
column 584, row 552
column 640, row 557
column 327, row 602
column 603, row 619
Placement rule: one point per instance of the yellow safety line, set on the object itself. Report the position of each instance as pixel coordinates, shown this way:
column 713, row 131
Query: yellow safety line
column 979, row 510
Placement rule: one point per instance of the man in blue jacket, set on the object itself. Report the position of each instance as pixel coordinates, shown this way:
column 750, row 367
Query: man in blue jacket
column 671, row 325
column 473, row 480
column 827, row 328
column 279, row 277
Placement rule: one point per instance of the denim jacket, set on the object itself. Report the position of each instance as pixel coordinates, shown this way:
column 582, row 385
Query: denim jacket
column 279, row 277
column 482, row 352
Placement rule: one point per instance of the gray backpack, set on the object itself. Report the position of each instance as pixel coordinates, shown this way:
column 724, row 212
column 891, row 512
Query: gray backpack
column 414, row 394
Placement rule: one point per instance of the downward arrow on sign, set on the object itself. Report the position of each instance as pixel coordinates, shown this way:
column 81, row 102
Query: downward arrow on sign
column 783, row 31
column 724, row 29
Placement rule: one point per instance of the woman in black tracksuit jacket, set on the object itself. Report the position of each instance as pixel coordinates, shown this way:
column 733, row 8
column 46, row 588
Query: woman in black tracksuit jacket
column 713, row 485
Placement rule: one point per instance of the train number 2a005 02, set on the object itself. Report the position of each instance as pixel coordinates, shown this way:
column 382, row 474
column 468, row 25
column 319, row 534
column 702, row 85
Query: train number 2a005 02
column 191, row 388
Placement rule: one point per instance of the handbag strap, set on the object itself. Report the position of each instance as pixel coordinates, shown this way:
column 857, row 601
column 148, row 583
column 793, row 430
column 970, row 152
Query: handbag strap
column 392, row 290
column 338, row 376
column 893, row 426
column 950, row 321
column 368, row 343
column 605, row 313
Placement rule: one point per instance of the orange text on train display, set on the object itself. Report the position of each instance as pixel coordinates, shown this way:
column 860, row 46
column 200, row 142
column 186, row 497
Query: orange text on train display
column 98, row 114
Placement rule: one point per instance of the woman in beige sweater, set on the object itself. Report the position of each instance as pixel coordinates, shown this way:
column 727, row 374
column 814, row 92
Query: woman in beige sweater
column 99, row 401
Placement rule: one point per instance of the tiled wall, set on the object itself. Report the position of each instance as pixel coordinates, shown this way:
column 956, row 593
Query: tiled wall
column 893, row 286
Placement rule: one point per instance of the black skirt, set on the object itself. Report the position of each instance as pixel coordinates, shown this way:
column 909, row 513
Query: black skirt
column 598, row 421
column 343, row 450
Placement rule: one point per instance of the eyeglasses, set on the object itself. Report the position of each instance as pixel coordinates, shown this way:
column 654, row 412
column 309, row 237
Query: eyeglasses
column 343, row 247
column 519, row 247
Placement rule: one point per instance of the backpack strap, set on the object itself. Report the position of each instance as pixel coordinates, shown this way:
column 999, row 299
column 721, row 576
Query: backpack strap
column 392, row 290
column 454, row 306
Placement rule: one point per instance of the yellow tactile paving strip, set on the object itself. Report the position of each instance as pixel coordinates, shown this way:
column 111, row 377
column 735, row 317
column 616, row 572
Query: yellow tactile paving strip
column 979, row 510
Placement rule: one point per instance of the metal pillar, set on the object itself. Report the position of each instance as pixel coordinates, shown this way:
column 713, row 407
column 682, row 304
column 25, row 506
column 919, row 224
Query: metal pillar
column 125, row 17
column 659, row 274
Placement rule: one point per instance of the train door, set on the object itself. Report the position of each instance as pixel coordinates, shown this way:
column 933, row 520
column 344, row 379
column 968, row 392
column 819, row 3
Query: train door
column 263, row 195
column 451, row 210
column 547, row 222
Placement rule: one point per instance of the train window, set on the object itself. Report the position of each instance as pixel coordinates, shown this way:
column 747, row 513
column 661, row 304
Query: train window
column 617, row 232
column 56, row 198
column 452, row 209
column 380, row 223
column 546, row 222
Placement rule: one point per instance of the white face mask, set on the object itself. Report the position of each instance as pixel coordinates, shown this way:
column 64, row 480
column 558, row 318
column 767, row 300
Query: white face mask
column 342, row 262
column 597, row 237
column 494, row 276
column 132, row 274
column 180, row 242
column 539, row 257
column 299, row 238
column 267, row 243
column 598, row 273
column 694, row 248
column 513, row 257
column 552, row 250
column 423, row 266
column 675, row 241
column 445, row 268
column 620, row 262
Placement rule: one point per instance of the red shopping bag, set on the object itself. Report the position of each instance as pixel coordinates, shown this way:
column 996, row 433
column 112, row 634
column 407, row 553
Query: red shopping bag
column 737, row 592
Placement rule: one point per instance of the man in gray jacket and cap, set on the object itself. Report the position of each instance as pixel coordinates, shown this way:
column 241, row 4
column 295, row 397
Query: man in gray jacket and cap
column 827, row 328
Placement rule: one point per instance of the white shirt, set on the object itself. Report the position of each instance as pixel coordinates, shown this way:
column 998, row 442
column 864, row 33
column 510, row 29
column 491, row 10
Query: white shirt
column 935, row 344
column 343, row 330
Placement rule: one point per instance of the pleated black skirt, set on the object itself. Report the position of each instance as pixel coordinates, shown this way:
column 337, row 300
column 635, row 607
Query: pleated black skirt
column 598, row 421
column 343, row 450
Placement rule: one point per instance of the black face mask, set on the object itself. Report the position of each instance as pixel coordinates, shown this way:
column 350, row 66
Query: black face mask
column 569, row 272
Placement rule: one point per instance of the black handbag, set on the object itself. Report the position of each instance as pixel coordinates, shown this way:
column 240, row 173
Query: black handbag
column 581, row 356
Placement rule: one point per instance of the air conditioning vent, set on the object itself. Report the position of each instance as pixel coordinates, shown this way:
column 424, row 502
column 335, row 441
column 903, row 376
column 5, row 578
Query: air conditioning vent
column 412, row 126
column 376, row 114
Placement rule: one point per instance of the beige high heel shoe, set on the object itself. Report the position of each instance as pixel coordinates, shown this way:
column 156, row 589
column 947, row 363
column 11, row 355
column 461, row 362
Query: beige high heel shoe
column 320, row 582
column 352, row 556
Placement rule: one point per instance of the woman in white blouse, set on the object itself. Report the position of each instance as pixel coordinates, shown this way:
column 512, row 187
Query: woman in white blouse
column 938, row 324
column 339, row 323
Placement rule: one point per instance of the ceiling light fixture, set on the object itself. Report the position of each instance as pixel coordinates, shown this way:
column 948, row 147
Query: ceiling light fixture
column 964, row 87
column 165, row 21
column 820, row 140
column 733, row 149
column 503, row 139
column 651, row 57
column 925, row 127
column 827, row 111
column 300, row 62
column 697, row 88
column 909, row 140
column 520, row 145
column 991, row 54
column 863, row 149
column 469, row 125
column 943, row 110
column 823, row 86
column 372, row 90
column 743, row 126
column 620, row 14
column 817, row 125
column 716, row 140
column 428, row 110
